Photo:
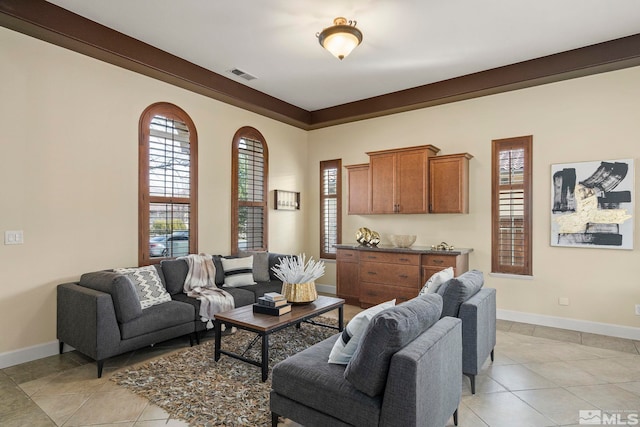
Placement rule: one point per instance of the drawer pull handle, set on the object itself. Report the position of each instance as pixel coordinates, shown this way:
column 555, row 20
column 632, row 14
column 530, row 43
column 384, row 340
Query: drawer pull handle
column 403, row 259
column 403, row 276
column 372, row 257
column 373, row 273
column 438, row 261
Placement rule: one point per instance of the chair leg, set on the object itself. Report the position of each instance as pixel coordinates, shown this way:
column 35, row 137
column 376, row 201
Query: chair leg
column 455, row 417
column 100, row 366
column 492, row 350
column 274, row 419
column 472, row 379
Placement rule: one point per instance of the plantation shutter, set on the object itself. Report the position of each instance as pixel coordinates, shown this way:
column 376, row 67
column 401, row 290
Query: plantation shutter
column 252, row 197
column 330, row 207
column 511, row 222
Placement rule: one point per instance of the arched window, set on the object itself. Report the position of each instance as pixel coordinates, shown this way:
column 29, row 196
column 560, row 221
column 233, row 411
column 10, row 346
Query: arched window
column 249, row 191
column 167, row 184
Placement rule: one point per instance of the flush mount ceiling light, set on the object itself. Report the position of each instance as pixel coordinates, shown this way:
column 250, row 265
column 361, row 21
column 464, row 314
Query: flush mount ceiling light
column 341, row 38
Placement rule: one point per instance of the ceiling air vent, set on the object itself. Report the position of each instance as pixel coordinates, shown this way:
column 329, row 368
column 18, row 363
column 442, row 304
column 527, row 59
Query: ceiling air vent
column 238, row 72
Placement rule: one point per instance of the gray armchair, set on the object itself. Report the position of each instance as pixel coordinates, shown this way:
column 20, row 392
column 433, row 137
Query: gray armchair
column 464, row 297
column 406, row 371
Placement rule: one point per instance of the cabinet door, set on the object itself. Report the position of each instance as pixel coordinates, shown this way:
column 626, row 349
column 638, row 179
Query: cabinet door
column 382, row 183
column 358, row 189
column 347, row 278
column 449, row 183
column 411, row 182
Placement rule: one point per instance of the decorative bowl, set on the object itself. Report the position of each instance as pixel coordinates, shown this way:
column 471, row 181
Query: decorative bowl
column 402, row 240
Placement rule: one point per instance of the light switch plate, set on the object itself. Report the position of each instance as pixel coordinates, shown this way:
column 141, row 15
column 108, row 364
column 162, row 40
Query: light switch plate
column 13, row 237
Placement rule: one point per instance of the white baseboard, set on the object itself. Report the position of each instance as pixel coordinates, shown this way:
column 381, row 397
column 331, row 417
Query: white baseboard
column 28, row 354
column 609, row 329
column 326, row 289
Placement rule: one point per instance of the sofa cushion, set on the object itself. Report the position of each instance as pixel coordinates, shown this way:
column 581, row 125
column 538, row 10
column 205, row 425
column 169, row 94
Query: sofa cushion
column 434, row 282
column 459, row 289
column 238, row 271
column 346, row 345
column 306, row 377
column 148, row 285
column 260, row 264
column 175, row 272
column 123, row 294
column 157, row 318
column 389, row 331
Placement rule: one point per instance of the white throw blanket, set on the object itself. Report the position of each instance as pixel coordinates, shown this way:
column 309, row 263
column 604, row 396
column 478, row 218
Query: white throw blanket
column 201, row 284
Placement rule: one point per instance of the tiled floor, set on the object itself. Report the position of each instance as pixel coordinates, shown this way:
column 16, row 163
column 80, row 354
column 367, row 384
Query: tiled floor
column 541, row 377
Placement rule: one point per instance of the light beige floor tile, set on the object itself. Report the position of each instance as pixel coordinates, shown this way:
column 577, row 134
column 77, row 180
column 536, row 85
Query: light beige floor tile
column 608, row 370
column 503, row 325
column 556, row 404
column 607, row 397
column 517, row 377
column 484, row 384
column 81, row 379
column 529, row 353
column 506, row 410
column 571, row 351
column 564, row 373
column 61, row 407
column 30, row 418
column 557, row 334
column 633, row 387
column 467, row 418
column 153, row 412
column 522, row 328
column 111, row 407
column 610, row 343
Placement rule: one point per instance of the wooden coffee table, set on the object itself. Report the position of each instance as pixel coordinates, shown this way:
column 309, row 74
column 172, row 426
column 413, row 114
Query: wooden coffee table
column 264, row 325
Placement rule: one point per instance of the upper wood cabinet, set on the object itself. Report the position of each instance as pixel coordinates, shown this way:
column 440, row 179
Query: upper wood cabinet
column 358, row 189
column 449, row 183
column 398, row 180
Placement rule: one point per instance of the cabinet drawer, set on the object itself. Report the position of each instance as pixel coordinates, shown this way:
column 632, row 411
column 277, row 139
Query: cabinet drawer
column 346, row 255
column 443, row 261
column 387, row 257
column 407, row 276
column 375, row 293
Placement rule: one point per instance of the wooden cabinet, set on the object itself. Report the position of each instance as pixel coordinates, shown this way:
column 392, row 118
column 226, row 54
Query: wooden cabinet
column 449, row 183
column 347, row 281
column 435, row 262
column 398, row 180
column 358, row 189
column 370, row 276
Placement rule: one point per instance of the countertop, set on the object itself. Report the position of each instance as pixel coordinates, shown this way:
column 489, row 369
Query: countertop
column 410, row 250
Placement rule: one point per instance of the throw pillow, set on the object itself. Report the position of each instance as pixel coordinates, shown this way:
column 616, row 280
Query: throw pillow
column 459, row 289
column 436, row 280
column 260, row 265
column 238, row 271
column 148, row 285
column 388, row 332
column 347, row 344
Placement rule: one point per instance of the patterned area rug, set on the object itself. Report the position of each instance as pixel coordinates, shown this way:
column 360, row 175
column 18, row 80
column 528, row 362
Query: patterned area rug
column 191, row 386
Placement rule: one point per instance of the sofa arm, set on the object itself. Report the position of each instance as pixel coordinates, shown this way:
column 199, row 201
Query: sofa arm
column 424, row 384
column 478, row 315
column 86, row 320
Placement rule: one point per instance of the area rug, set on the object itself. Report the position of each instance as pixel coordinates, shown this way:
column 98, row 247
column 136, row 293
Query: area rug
column 191, row 386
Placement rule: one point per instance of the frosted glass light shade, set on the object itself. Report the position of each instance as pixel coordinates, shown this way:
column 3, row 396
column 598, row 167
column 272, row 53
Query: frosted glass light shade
column 341, row 38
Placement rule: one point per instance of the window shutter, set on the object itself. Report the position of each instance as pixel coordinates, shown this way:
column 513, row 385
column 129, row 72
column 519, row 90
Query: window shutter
column 330, row 207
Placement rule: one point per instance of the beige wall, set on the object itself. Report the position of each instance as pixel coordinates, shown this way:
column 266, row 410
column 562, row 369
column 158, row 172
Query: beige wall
column 70, row 169
column 592, row 118
column 69, row 174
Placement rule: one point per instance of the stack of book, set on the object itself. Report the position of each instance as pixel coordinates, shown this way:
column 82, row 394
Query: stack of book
column 272, row 303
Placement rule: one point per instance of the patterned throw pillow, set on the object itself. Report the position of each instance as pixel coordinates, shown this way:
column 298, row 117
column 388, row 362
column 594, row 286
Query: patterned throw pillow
column 148, row 285
column 346, row 345
column 238, row 271
column 436, row 280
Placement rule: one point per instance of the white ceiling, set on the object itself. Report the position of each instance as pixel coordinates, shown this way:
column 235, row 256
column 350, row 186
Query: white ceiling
column 407, row 43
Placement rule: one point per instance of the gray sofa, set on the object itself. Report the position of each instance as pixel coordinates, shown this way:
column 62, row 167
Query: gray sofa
column 405, row 372
column 101, row 317
column 465, row 297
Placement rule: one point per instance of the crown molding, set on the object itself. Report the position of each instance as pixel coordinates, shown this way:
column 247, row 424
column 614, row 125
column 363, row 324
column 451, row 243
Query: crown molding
column 53, row 24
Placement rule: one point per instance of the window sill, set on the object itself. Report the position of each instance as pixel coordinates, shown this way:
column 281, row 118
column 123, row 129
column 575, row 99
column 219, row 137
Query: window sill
column 511, row 276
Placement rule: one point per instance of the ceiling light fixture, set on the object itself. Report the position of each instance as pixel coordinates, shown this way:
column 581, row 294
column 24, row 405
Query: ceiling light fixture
column 341, row 38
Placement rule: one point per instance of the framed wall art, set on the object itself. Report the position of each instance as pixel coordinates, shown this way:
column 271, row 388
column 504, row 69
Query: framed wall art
column 592, row 204
column 286, row 200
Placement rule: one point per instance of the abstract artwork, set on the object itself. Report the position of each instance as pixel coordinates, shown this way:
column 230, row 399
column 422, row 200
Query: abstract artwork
column 592, row 204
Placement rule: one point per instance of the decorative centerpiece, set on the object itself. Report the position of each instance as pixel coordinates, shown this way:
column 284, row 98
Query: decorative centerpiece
column 442, row 247
column 298, row 278
column 367, row 237
column 402, row 240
